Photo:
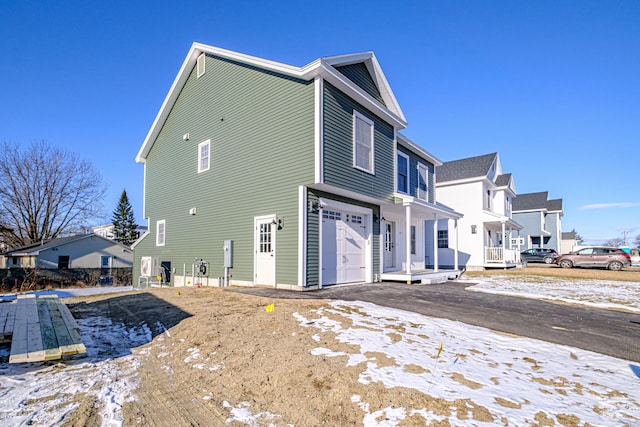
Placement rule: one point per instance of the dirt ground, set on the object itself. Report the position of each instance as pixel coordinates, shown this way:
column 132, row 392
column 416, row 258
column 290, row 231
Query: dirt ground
column 213, row 349
column 251, row 355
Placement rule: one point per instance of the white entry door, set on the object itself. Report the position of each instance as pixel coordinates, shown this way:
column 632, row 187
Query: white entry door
column 344, row 240
column 265, row 250
column 389, row 244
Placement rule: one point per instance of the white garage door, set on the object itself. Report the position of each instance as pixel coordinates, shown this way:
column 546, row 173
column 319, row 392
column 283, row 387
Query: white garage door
column 344, row 240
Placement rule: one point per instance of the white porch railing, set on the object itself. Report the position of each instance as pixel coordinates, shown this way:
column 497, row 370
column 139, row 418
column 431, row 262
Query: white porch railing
column 500, row 255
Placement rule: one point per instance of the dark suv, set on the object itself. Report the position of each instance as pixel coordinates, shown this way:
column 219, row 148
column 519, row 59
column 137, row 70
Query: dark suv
column 545, row 255
column 596, row 256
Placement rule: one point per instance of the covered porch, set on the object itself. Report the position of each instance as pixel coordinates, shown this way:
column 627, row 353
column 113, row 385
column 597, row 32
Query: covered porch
column 410, row 237
column 498, row 250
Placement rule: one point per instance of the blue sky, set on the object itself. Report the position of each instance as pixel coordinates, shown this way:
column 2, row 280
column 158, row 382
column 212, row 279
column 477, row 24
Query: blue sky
column 552, row 86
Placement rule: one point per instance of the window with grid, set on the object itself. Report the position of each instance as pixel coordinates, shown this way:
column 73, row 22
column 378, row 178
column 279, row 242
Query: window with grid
column 265, row 238
column 443, row 238
column 362, row 142
column 204, row 155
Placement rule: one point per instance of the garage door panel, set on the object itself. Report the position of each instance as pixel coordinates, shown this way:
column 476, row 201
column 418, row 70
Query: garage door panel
column 343, row 248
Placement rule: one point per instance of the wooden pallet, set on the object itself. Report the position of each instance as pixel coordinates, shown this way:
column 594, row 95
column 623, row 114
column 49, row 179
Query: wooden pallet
column 43, row 329
column 7, row 320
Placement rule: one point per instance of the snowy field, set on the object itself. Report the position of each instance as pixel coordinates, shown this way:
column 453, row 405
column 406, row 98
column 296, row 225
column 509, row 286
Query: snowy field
column 513, row 378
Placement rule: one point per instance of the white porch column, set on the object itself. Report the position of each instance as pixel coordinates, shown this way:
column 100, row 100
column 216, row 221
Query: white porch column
column 504, row 240
column 435, row 242
column 407, row 220
column 455, row 243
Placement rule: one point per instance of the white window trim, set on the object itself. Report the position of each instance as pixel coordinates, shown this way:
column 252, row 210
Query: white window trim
column 400, row 153
column 162, row 223
column 426, row 178
column 357, row 115
column 201, row 65
column 208, row 144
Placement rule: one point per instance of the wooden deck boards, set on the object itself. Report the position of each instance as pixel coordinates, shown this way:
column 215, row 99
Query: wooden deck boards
column 43, row 329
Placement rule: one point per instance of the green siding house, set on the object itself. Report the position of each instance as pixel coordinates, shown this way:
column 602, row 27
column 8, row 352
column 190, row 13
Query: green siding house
column 262, row 173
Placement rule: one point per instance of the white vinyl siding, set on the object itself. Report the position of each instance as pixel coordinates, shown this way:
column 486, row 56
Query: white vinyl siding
column 204, row 156
column 362, row 143
column 160, row 233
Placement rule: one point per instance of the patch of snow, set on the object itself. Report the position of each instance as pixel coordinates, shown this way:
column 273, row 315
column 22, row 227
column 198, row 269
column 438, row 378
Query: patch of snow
column 593, row 293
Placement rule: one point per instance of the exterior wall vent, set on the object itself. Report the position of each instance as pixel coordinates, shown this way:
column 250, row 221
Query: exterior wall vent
column 201, row 64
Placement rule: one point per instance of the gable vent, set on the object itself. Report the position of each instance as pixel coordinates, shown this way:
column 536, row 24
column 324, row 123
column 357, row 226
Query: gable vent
column 201, row 64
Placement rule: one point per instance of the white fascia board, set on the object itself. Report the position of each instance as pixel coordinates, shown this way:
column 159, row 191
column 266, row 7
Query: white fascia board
column 340, row 81
column 412, row 146
column 372, row 64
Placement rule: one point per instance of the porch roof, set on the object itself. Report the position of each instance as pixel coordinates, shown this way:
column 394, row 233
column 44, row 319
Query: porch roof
column 493, row 218
column 442, row 211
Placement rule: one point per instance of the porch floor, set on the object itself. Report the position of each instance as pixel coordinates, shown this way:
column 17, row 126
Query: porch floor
column 425, row 276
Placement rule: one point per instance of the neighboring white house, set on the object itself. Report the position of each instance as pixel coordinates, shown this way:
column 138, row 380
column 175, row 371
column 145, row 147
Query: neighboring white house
column 477, row 187
column 83, row 251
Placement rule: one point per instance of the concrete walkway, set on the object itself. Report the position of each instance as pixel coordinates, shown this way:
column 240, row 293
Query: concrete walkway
column 609, row 332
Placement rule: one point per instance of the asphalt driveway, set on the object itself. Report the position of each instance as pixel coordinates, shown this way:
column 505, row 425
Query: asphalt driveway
column 609, row 332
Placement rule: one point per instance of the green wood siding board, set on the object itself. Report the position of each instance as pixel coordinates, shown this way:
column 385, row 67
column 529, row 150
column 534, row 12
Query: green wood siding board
column 359, row 74
column 261, row 128
column 338, row 148
column 413, row 173
column 313, row 239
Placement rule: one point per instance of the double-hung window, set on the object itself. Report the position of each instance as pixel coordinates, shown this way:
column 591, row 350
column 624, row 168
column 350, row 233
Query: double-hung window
column 362, row 142
column 443, row 238
column 160, row 232
column 403, row 173
column 204, row 155
column 423, row 179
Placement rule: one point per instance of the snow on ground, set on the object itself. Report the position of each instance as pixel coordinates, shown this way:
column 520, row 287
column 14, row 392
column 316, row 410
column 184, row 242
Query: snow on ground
column 513, row 378
column 594, row 293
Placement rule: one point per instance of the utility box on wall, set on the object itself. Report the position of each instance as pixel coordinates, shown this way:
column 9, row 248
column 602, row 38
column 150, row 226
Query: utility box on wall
column 228, row 253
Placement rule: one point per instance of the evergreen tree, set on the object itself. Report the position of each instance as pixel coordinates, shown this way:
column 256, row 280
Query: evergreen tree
column 124, row 222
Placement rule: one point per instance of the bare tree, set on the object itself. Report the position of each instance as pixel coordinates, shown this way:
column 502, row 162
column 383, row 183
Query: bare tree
column 616, row 241
column 46, row 193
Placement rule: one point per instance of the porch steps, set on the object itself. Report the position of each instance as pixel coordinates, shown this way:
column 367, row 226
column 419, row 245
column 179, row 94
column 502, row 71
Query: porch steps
column 39, row 328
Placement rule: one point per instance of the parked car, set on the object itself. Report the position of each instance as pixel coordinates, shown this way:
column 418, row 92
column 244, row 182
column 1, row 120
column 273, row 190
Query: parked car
column 545, row 255
column 595, row 256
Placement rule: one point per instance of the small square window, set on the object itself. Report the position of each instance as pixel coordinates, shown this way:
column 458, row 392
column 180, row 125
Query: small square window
column 204, row 156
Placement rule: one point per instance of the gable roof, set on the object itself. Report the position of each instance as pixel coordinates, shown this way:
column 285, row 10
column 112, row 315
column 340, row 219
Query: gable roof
column 470, row 167
column 36, row 248
column 554, row 205
column 373, row 92
column 503, row 180
column 530, row 201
